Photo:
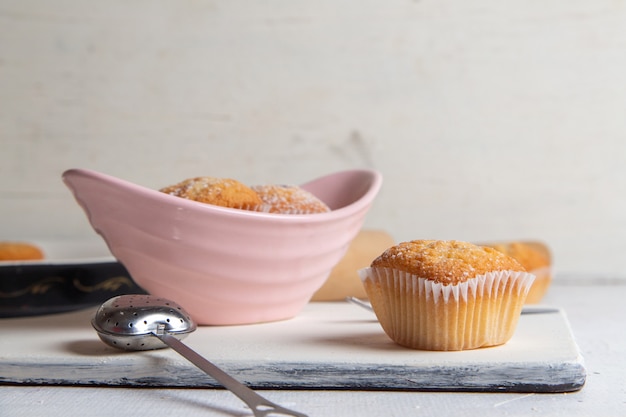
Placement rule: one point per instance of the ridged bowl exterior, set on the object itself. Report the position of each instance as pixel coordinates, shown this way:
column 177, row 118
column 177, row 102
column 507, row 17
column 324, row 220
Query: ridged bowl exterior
column 225, row 266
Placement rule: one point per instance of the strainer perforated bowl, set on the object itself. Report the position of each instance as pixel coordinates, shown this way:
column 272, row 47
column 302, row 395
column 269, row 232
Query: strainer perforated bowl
column 128, row 322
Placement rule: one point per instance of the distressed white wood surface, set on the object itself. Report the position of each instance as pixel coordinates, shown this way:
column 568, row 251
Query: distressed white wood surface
column 488, row 119
column 327, row 346
column 595, row 312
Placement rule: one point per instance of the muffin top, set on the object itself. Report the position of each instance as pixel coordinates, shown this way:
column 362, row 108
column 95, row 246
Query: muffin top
column 289, row 199
column 20, row 251
column 531, row 255
column 223, row 192
column 445, row 261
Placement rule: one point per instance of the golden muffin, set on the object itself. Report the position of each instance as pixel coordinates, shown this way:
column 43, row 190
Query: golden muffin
column 289, row 199
column 20, row 251
column 225, row 192
column 446, row 295
column 536, row 258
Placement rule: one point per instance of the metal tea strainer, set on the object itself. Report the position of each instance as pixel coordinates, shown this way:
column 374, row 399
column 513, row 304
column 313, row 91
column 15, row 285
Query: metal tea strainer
column 145, row 322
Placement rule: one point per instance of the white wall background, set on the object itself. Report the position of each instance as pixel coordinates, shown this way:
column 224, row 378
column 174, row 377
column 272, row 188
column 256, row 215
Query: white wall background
column 489, row 119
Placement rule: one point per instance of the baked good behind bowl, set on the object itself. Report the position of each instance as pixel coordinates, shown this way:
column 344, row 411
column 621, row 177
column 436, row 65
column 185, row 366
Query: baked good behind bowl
column 20, row 251
column 446, row 295
column 344, row 280
column 536, row 258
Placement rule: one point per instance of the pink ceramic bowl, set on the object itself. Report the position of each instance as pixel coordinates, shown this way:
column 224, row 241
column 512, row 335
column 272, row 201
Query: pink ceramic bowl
column 226, row 266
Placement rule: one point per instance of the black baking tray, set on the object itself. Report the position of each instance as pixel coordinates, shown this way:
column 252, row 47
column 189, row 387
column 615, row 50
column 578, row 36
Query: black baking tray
column 41, row 287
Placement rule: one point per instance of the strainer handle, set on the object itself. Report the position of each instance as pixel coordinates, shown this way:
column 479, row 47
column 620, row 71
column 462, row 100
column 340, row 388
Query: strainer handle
column 259, row 405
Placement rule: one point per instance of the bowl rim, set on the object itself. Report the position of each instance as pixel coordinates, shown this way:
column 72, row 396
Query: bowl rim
column 374, row 176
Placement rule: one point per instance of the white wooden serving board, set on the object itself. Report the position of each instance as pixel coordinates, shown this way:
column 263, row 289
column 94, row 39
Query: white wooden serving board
column 327, row 346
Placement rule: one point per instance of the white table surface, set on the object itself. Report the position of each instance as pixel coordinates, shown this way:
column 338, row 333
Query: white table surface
column 595, row 312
